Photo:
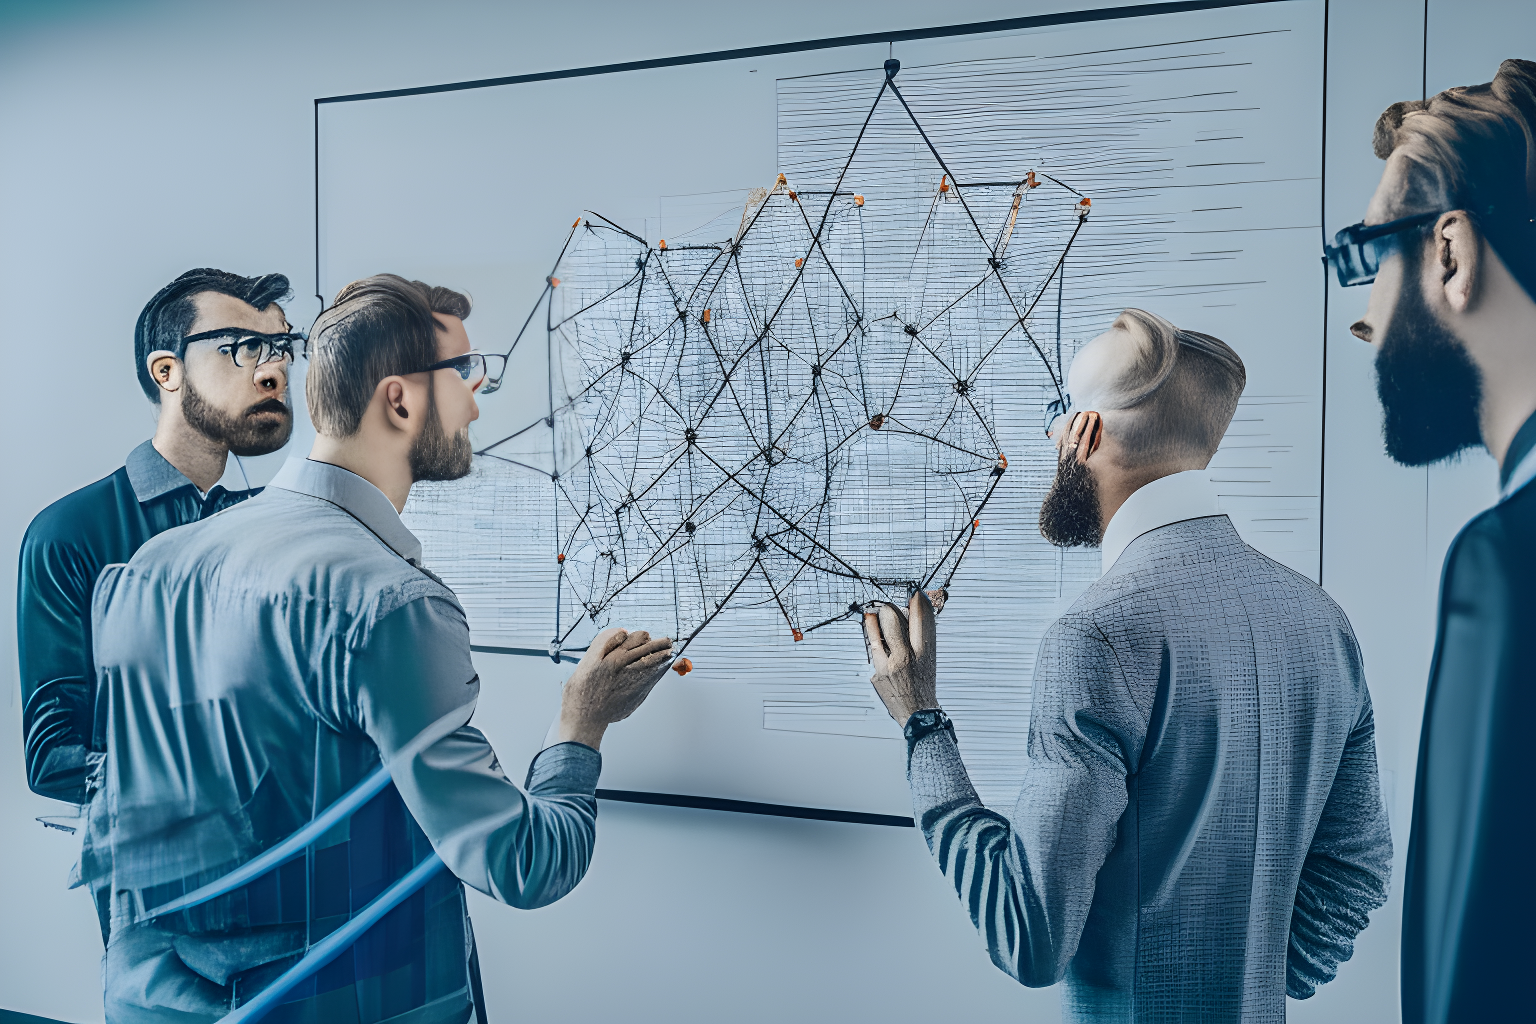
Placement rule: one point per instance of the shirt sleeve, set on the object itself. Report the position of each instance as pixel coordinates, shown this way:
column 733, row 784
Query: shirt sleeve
column 1345, row 874
column 1028, row 880
column 415, row 690
column 53, row 598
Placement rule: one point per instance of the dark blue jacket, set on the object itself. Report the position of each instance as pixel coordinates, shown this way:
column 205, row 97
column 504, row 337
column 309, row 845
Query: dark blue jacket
column 62, row 553
column 1469, row 898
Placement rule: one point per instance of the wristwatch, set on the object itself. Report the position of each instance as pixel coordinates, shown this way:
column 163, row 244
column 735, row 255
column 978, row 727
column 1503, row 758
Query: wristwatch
column 924, row 722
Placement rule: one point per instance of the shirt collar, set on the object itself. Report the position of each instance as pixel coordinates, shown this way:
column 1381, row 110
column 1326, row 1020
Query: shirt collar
column 1166, row 500
column 1519, row 466
column 354, row 495
column 151, row 475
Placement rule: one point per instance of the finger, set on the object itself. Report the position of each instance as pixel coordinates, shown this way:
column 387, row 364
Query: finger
column 602, row 644
column 894, row 629
column 922, row 628
column 1075, row 431
column 872, row 637
column 1089, row 434
column 630, row 655
column 637, row 638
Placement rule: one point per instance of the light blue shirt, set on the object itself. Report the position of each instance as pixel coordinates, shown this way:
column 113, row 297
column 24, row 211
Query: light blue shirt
column 258, row 665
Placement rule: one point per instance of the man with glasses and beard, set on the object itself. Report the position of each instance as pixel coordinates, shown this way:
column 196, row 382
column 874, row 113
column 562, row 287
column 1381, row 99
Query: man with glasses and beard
column 213, row 351
column 1200, row 831
column 288, row 692
column 1449, row 239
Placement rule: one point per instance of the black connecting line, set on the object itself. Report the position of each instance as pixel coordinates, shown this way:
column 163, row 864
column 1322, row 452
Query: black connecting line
column 604, row 499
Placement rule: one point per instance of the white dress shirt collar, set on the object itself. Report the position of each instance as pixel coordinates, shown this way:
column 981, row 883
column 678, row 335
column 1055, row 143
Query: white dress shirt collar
column 354, row 495
column 1166, row 500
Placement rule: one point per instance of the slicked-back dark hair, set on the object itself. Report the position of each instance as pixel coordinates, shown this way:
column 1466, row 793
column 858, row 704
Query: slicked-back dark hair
column 378, row 327
column 168, row 317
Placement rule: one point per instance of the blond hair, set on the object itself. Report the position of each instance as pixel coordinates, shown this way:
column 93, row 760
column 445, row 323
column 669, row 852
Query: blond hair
column 1174, row 396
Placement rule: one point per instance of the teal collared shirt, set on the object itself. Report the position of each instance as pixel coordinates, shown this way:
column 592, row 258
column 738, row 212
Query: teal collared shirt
column 255, row 667
column 64, row 550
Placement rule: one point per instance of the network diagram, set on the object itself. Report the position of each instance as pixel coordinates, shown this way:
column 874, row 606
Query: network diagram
column 802, row 414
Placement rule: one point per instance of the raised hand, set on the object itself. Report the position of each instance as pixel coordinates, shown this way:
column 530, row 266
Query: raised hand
column 901, row 647
column 612, row 680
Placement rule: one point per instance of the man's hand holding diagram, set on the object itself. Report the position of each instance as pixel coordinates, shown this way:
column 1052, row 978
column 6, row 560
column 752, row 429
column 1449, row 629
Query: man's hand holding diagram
column 614, row 678
column 901, row 648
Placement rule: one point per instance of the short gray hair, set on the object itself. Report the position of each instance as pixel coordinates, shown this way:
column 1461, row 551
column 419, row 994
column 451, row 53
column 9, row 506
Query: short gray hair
column 1175, row 397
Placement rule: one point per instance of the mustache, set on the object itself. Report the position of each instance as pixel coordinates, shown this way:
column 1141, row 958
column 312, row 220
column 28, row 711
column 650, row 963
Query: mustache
column 269, row 405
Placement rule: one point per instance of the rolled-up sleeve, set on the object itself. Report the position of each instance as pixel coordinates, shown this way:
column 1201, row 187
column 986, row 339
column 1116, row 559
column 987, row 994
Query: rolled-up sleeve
column 413, row 690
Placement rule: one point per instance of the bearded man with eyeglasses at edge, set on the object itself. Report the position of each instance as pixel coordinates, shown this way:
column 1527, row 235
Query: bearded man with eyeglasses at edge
column 1449, row 240
column 213, row 350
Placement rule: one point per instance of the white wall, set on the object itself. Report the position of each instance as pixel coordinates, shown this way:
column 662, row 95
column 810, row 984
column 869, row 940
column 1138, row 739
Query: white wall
column 138, row 140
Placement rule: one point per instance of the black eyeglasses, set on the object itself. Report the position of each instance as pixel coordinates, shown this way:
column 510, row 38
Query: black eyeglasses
column 1055, row 409
column 474, row 367
column 1357, row 251
column 249, row 349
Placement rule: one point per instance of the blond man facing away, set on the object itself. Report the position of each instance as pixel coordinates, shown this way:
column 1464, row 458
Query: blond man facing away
column 1199, row 831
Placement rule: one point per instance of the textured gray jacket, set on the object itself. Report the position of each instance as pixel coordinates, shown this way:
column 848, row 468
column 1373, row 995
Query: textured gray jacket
column 1200, row 827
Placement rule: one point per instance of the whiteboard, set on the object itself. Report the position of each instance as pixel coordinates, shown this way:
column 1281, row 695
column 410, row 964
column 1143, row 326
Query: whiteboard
column 1198, row 138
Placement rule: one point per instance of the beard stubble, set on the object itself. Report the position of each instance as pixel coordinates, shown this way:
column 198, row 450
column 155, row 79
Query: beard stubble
column 436, row 454
column 259, row 429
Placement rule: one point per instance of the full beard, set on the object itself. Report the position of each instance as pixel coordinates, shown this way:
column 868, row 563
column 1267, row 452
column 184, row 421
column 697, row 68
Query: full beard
column 1070, row 514
column 438, row 455
column 1430, row 390
column 259, row 430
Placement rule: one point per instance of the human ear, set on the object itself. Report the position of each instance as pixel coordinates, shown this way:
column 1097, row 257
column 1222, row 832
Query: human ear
column 166, row 370
column 1458, row 255
column 396, row 402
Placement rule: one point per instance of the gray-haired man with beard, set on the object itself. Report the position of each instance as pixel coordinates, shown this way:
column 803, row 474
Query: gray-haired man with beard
column 1449, row 239
column 288, row 695
column 213, row 351
column 1200, row 831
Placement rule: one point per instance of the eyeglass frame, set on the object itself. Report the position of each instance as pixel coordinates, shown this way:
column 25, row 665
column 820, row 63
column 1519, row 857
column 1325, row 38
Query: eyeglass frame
column 281, row 343
column 1352, row 262
column 1055, row 409
column 485, row 359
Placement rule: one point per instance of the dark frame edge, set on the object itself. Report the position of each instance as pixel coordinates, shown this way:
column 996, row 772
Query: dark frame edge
column 711, row 803
column 830, row 42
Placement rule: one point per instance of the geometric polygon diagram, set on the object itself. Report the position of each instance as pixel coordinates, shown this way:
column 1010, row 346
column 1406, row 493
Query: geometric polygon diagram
column 794, row 406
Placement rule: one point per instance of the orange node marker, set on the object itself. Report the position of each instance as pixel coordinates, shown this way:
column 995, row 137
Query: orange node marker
column 781, row 181
column 576, row 223
column 704, row 317
column 798, row 261
column 1002, row 461
column 560, row 558
column 797, row 634
column 1029, row 180
column 554, row 282
column 858, row 200
column 1084, row 206
column 793, row 196
column 682, row 666
column 877, row 421
column 944, row 183
column 662, row 244
column 975, row 524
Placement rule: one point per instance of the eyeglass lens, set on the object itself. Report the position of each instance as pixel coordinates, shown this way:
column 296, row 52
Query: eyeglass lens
column 249, row 353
